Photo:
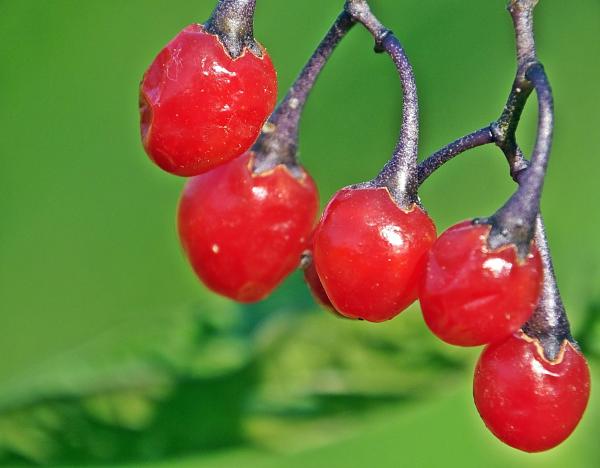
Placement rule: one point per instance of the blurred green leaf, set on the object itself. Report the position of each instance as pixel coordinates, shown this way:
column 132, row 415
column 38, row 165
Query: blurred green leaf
column 179, row 386
column 203, row 379
column 321, row 377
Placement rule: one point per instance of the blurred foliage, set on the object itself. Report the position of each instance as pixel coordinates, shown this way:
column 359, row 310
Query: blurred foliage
column 101, row 363
column 197, row 381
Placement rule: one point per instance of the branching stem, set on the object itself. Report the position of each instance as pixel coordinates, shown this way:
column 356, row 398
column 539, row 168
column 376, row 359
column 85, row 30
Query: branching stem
column 515, row 222
column 520, row 215
column 479, row 137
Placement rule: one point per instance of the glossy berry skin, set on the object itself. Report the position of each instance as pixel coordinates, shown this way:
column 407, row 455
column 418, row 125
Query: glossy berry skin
column 316, row 287
column 526, row 401
column 244, row 233
column 199, row 107
column 471, row 295
column 369, row 253
column 318, row 291
column 311, row 277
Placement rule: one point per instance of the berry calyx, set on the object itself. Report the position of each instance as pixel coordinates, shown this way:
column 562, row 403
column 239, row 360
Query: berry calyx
column 369, row 253
column 233, row 22
column 244, row 232
column 528, row 402
column 472, row 295
column 199, row 106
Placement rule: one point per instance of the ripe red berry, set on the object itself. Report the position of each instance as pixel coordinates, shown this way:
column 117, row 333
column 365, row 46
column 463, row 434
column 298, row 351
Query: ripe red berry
column 471, row 295
column 316, row 287
column 526, row 401
column 314, row 283
column 244, row 232
column 318, row 291
column 199, row 107
column 369, row 253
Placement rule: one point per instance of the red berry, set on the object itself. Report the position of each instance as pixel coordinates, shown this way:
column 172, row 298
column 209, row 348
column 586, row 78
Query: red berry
column 316, row 287
column 243, row 232
column 318, row 291
column 471, row 295
column 526, row 401
column 312, row 278
column 369, row 253
column 199, row 107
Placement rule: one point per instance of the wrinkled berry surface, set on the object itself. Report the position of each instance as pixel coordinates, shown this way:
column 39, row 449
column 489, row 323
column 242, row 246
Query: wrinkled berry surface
column 471, row 295
column 200, row 108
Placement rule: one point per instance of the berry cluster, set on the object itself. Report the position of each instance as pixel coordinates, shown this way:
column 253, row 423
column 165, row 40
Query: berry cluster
column 247, row 214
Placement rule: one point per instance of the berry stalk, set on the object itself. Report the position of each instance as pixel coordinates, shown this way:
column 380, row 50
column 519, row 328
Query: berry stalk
column 399, row 175
column 371, row 240
column 549, row 323
column 514, row 223
column 278, row 142
column 233, row 22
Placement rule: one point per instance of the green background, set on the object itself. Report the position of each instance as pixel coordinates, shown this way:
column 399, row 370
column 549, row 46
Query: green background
column 111, row 351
